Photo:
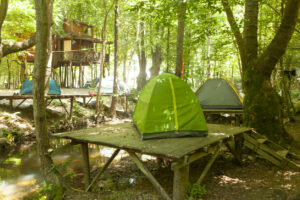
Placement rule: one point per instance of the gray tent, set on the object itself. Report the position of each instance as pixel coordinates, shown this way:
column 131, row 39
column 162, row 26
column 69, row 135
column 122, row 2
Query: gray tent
column 218, row 94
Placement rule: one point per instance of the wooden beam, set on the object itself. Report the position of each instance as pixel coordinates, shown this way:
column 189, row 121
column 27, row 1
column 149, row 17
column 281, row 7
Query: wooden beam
column 61, row 103
column 190, row 159
column 209, row 164
column 86, row 163
column 21, row 103
column 103, row 169
column 148, row 174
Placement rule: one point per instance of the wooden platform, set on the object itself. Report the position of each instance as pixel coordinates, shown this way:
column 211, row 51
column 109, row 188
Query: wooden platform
column 182, row 151
column 125, row 136
column 86, row 98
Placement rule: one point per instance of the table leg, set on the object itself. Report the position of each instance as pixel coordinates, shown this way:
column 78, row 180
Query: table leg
column 86, row 163
column 181, row 182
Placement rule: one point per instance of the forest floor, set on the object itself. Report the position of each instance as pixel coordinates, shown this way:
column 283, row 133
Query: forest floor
column 255, row 179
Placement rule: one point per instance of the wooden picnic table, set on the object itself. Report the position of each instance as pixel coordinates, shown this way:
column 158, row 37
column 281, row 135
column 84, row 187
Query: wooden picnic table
column 181, row 151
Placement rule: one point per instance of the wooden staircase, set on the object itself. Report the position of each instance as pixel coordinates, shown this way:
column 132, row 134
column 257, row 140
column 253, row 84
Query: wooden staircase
column 271, row 151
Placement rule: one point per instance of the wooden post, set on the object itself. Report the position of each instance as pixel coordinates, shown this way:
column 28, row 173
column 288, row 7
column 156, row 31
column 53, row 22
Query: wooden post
column 70, row 80
column 11, row 103
column 181, row 183
column 71, row 108
column 83, row 99
column 148, row 174
column 86, row 163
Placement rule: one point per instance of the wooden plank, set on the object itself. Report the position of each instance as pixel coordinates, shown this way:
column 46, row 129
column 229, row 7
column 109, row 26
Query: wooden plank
column 148, row 174
column 264, row 147
column 103, row 169
column 282, row 153
column 263, row 153
column 209, row 164
column 125, row 136
column 86, row 163
column 192, row 158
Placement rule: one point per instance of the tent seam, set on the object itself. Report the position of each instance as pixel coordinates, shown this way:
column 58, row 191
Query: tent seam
column 174, row 104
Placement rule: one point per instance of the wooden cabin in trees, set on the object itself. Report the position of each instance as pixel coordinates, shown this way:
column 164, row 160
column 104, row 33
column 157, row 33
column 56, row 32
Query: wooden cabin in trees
column 76, row 48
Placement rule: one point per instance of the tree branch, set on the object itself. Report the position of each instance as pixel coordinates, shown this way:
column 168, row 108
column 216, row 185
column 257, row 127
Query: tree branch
column 278, row 13
column 235, row 29
column 18, row 46
column 277, row 47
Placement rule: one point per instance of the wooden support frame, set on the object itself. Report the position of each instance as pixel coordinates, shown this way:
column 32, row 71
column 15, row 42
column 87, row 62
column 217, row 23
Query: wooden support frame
column 209, row 164
column 21, row 103
column 235, row 145
column 63, row 106
column 148, row 174
column 103, row 169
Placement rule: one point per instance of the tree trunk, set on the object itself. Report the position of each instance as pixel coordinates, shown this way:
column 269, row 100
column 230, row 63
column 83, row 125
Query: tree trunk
column 156, row 55
column 98, row 98
column 180, row 36
column 168, row 50
column 39, row 105
column 9, row 73
column 141, row 79
column 208, row 57
column 262, row 105
column 114, row 99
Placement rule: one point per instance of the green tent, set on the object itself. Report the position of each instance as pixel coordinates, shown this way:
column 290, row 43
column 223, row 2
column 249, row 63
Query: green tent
column 218, row 93
column 167, row 107
column 28, row 83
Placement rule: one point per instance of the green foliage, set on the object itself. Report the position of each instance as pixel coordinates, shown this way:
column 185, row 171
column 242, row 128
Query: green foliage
column 196, row 192
column 47, row 191
column 64, row 169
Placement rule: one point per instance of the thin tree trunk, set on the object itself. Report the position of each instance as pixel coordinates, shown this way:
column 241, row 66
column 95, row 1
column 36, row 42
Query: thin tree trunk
column 168, row 50
column 114, row 100
column 98, row 98
column 208, row 57
column 180, row 37
column 9, row 73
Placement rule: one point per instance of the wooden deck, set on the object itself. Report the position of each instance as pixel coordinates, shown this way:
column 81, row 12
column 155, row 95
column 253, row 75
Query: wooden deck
column 181, row 151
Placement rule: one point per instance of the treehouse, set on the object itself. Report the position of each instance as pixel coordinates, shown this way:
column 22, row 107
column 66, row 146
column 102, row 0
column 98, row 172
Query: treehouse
column 77, row 47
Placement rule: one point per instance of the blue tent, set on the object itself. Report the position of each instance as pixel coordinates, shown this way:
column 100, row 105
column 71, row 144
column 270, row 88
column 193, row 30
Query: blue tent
column 27, row 87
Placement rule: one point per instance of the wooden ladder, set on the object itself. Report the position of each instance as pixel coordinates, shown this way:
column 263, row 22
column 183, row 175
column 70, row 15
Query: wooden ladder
column 271, row 151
